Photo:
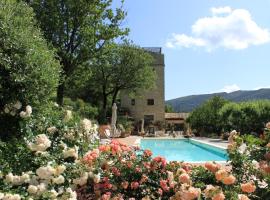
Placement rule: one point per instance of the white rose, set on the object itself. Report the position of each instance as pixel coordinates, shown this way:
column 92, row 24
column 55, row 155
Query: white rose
column 28, row 110
column 25, row 178
column 12, row 113
column 12, row 197
column 42, row 142
column 81, row 180
column 45, row 172
column 53, row 194
column 23, row 114
column 96, row 178
column 42, row 187
column 59, row 180
column 59, row 169
column 9, row 178
column 32, row 189
column 52, row 129
column 1, row 195
column 69, row 136
column 17, row 105
column 72, row 194
column 17, row 180
column 6, row 109
column 86, row 125
column 72, row 152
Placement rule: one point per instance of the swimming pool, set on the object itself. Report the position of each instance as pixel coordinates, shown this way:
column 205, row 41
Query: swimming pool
column 184, row 150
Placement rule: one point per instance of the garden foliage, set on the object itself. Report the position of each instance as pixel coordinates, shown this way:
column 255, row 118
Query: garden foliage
column 29, row 72
column 219, row 116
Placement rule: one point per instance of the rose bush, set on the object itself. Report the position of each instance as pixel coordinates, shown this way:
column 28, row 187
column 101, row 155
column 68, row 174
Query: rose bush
column 122, row 172
column 60, row 158
column 46, row 164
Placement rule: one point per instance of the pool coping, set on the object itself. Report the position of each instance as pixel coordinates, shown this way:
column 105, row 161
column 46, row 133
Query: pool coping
column 138, row 141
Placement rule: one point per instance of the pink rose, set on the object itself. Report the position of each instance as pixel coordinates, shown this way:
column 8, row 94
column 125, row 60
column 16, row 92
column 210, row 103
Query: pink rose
column 184, row 178
column 134, row 185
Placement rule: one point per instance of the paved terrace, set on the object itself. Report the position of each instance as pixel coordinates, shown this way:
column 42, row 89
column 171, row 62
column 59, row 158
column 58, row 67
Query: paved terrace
column 131, row 140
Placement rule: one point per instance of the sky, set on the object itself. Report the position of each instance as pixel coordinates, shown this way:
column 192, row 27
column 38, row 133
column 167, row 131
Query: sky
column 209, row 45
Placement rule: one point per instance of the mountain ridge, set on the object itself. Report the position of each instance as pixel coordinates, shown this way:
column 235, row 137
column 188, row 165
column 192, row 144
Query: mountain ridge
column 189, row 103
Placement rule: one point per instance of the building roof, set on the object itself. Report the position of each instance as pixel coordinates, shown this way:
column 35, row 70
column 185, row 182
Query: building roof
column 153, row 49
column 176, row 115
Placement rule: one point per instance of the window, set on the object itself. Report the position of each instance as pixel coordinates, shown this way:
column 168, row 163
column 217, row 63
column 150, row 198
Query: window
column 148, row 118
column 133, row 102
column 150, row 102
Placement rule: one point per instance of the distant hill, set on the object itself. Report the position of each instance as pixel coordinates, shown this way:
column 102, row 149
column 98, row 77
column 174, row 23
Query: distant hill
column 189, row 103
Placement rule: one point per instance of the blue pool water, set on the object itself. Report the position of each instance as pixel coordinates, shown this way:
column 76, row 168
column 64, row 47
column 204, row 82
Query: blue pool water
column 184, row 150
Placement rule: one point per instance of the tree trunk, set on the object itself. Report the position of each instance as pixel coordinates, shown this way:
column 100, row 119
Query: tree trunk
column 104, row 106
column 115, row 96
column 60, row 93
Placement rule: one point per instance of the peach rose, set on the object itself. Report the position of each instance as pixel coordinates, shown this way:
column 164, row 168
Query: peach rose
column 209, row 190
column 268, row 145
column 124, row 184
column 213, row 167
column 221, row 174
column 248, row 187
column 219, row 196
column 190, row 194
column 242, row 197
column 229, row 180
column 184, row 178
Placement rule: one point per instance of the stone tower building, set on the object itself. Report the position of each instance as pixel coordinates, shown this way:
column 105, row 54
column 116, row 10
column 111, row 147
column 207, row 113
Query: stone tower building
column 150, row 104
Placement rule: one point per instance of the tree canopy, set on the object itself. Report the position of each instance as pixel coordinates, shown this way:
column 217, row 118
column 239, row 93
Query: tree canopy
column 78, row 30
column 206, row 117
column 29, row 72
column 120, row 68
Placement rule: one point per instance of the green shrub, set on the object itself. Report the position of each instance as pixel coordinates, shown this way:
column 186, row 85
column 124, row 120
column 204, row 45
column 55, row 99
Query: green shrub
column 29, row 72
column 84, row 109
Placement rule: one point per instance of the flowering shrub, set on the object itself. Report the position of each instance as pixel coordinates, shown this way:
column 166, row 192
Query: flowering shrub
column 53, row 161
column 122, row 172
column 46, row 164
column 29, row 71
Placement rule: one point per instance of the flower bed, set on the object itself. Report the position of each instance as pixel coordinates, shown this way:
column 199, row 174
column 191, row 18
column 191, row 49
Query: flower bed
column 122, row 173
column 53, row 161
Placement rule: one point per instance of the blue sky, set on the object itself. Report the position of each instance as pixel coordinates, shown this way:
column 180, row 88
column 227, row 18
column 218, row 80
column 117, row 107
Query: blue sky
column 209, row 45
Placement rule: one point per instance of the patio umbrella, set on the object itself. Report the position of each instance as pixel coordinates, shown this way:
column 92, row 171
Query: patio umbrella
column 142, row 127
column 114, row 119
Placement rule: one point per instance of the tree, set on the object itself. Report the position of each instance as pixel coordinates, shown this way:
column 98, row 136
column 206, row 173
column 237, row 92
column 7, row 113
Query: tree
column 78, row 30
column 169, row 108
column 29, row 72
column 124, row 67
column 206, row 117
column 246, row 117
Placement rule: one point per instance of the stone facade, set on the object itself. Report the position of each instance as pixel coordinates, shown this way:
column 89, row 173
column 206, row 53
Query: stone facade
column 150, row 104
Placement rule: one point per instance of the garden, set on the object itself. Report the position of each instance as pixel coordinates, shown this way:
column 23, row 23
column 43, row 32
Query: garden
column 49, row 143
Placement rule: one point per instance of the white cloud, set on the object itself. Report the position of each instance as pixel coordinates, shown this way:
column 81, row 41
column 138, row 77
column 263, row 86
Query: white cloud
column 228, row 89
column 221, row 10
column 185, row 41
column 227, row 28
